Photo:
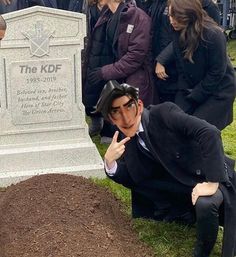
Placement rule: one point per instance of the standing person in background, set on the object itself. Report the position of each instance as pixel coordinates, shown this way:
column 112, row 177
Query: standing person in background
column 14, row 5
column 119, row 48
column 163, row 35
column 93, row 14
column 69, row 5
column 206, row 79
column 211, row 9
column 144, row 4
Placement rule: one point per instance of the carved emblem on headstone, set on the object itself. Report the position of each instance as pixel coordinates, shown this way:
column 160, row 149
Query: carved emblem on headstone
column 39, row 40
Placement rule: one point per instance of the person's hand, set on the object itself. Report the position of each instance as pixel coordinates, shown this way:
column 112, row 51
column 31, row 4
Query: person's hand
column 115, row 150
column 95, row 76
column 6, row 2
column 204, row 189
column 161, row 71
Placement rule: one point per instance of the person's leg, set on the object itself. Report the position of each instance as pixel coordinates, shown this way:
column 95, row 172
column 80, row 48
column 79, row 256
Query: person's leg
column 207, row 217
column 217, row 111
column 96, row 124
column 142, row 207
column 107, row 132
column 182, row 101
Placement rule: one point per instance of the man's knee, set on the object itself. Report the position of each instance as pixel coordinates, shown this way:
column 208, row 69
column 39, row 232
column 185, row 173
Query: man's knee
column 209, row 205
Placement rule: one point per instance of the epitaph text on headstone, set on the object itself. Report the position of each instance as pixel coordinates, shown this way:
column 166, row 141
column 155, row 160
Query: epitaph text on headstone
column 41, row 91
column 42, row 119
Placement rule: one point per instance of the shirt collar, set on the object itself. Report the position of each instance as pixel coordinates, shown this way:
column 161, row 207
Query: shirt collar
column 140, row 128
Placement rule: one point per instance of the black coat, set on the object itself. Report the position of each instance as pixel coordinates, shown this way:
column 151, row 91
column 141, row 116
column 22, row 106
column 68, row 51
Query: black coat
column 74, row 5
column 19, row 4
column 163, row 34
column 124, row 57
column 191, row 151
column 212, row 10
column 207, row 87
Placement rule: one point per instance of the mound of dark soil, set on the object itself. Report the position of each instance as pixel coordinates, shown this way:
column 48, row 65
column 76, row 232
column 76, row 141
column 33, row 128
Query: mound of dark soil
column 64, row 216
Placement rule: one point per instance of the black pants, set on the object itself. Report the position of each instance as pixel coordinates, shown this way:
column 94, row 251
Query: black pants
column 207, row 222
column 205, row 214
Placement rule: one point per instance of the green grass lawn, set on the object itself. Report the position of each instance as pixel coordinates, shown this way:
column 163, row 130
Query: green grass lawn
column 168, row 240
column 231, row 45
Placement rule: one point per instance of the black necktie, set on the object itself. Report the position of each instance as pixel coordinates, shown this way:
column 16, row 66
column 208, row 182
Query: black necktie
column 143, row 137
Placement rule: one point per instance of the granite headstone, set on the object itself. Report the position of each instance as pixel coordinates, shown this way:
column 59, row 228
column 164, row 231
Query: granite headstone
column 43, row 127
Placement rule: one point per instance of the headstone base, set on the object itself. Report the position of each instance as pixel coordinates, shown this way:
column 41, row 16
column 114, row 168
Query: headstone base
column 20, row 163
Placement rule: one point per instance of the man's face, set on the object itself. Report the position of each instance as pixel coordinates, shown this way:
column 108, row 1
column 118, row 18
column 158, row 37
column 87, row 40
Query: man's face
column 126, row 114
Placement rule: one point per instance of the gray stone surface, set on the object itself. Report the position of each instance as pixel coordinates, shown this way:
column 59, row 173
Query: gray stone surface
column 42, row 118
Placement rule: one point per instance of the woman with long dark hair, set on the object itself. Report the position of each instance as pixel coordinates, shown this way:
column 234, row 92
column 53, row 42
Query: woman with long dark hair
column 162, row 36
column 206, row 79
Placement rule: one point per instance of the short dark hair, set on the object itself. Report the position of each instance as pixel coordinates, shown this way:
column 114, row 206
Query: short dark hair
column 111, row 91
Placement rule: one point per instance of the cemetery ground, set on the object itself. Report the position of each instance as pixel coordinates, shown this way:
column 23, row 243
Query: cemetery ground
column 58, row 215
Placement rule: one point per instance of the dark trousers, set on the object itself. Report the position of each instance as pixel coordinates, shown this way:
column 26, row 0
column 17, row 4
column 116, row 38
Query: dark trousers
column 205, row 214
column 207, row 223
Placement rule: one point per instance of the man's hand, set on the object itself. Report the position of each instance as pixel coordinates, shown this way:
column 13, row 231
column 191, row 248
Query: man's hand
column 204, row 189
column 95, row 76
column 161, row 71
column 115, row 150
column 6, row 2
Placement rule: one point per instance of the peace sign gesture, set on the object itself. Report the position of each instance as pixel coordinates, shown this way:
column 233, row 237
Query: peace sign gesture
column 115, row 150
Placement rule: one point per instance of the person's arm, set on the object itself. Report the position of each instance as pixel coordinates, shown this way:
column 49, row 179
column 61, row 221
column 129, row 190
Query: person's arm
column 115, row 150
column 204, row 189
column 167, row 55
column 137, row 51
column 206, row 136
column 161, row 71
column 115, row 166
column 217, row 64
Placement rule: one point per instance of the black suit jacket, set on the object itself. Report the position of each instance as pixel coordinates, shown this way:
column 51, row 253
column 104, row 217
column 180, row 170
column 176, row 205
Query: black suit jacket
column 189, row 148
column 191, row 151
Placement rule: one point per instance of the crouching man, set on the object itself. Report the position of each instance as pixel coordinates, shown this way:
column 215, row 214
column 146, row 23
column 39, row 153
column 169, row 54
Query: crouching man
column 174, row 165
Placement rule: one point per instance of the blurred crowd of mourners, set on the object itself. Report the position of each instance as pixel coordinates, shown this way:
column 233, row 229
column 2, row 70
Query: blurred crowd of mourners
column 172, row 50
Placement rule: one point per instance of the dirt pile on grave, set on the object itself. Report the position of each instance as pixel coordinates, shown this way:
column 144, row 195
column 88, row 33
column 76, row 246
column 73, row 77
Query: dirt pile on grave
column 64, row 216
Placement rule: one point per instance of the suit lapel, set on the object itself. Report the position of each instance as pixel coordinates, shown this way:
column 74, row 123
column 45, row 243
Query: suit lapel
column 145, row 122
column 135, row 167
